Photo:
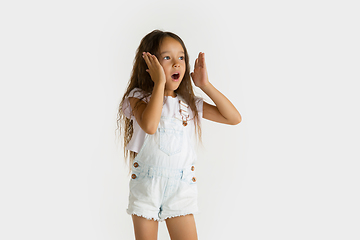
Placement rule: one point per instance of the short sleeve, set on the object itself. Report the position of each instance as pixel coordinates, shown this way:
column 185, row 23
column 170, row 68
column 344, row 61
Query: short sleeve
column 136, row 93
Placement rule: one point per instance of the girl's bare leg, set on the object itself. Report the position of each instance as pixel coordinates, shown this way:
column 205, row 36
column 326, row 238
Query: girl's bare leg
column 145, row 229
column 182, row 228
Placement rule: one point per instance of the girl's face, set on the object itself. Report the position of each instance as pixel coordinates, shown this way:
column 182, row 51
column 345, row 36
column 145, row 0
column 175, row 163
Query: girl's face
column 172, row 59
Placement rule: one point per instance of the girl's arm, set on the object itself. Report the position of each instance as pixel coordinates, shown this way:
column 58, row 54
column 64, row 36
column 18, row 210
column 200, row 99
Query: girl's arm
column 224, row 111
column 148, row 115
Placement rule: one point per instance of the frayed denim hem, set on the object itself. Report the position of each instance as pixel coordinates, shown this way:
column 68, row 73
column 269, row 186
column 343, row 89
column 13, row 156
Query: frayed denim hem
column 134, row 212
column 178, row 215
column 143, row 214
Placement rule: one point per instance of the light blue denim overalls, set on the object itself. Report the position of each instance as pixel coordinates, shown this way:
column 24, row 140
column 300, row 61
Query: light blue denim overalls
column 163, row 182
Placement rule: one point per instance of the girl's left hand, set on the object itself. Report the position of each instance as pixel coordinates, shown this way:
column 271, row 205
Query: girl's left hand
column 200, row 76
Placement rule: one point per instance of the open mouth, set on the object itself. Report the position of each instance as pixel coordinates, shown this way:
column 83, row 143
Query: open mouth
column 175, row 76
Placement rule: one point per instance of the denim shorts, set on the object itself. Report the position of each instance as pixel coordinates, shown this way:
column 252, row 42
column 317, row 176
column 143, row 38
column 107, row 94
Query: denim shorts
column 159, row 193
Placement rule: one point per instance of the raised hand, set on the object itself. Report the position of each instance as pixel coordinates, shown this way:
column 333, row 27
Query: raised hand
column 155, row 70
column 200, row 76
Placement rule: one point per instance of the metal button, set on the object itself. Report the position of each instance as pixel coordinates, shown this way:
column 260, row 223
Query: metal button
column 192, row 168
column 136, row 164
column 194, row 179
column 133, row 176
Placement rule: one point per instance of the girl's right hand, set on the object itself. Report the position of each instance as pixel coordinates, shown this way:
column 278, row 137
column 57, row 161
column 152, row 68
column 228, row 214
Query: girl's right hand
column 155, row 70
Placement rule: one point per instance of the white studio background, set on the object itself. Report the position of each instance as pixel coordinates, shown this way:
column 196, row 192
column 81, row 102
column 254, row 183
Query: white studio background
column 289, row 170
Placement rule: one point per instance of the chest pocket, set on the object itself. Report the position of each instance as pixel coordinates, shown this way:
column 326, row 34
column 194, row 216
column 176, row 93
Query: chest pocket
column 171, row 136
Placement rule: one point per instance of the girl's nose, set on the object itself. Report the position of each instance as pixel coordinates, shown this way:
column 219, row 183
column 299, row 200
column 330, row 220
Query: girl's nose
column 176, row 64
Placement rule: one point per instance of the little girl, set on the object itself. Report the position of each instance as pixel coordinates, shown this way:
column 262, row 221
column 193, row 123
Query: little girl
column 160, row 116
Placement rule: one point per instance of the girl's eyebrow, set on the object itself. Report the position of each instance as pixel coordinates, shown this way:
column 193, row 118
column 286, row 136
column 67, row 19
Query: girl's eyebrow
column 169, row 51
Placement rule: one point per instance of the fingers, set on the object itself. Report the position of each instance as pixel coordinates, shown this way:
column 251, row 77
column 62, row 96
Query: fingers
column 200, row 61
column 196, row 63
column 147, row 60
column 151, row 60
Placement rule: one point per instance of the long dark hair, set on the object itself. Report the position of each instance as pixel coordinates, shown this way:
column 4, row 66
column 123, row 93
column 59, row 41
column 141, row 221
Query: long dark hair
column 142, row 80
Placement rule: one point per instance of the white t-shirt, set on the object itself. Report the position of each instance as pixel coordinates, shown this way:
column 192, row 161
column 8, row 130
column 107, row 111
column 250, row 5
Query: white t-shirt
column 170, row 108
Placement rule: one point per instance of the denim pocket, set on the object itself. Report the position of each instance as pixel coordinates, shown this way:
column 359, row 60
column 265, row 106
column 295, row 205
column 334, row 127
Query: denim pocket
column 171, row 141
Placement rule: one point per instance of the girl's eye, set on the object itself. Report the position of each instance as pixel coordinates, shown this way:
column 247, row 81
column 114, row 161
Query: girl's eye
column 181, row 58
column 167, row 58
